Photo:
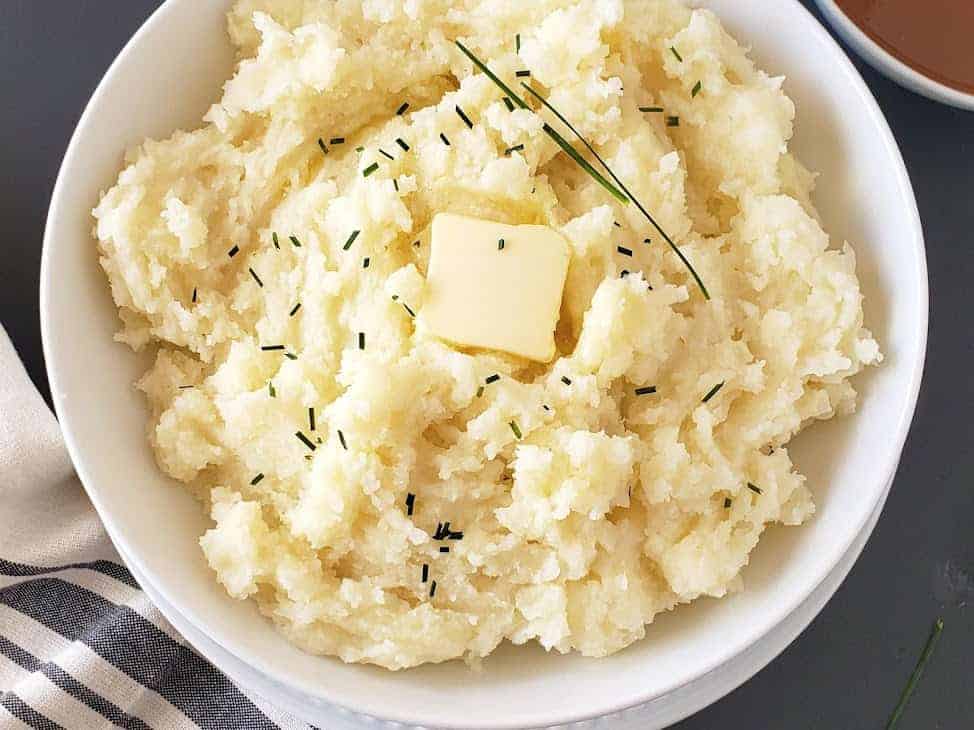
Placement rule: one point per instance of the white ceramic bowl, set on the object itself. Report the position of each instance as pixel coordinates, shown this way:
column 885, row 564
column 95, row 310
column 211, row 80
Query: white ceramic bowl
column 888, row 64
column 165, row 78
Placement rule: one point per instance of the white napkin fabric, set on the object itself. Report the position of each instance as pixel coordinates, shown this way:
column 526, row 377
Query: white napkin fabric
column 81, row 646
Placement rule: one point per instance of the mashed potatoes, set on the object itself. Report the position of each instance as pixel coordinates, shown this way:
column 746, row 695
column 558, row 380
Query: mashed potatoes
column 332, row 439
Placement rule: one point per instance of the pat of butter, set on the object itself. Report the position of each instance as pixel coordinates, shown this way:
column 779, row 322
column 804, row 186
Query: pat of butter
column 495, row 286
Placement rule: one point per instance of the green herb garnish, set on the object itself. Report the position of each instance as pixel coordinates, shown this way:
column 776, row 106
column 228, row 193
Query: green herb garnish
column 696, row 89
column 233, row 251
column 365, row 262
column 402, row 109
column 361, row 340
column 321, row 144
column 631, row 197
column 713, row 392
column 256, row 278
column 395, row 184
column 336, row 140
column 727, row 502
column 385, row 154
column 508, row 103
column 500, row 244
column 432, row 589
column 370, row 169
column 360, row 149
column 270, row 389
column 256, row 480
column 677, row 54
column 672, row 121
column 754, row 488
column 566, row 380
column 272, row 348
column 624, row 251
column 305, row 440
column 295, row 242
column 515, row 429
column 402, row 143
column 548, row 129
column 409, row 309
column 647, row 390
column 445, row 140
column 515, row 148
column 492, row 379
column 462, row 114
column 277, row 243
column 290, row 356
column 938, row 627
column 517, row 43
column 480, row 391
column 194, row 295
column 341, row 439
column 522, row 74
column 311, row 418
column 294, row 310
column 351, row 240
column 651, row 109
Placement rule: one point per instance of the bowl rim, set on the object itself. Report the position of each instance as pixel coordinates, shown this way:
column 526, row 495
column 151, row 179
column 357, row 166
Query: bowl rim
column 888, row 64
column 558, row 715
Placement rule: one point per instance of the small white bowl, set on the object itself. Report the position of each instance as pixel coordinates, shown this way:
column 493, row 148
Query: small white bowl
column 165, row 78
column 888, row 64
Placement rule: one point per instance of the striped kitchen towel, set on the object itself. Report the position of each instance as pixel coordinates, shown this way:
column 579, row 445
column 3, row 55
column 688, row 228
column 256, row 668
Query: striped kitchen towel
column 80, row 645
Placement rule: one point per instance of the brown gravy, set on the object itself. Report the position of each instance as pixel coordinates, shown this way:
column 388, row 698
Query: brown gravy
column 934, row 37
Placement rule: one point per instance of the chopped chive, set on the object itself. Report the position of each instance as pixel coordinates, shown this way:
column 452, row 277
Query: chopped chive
column 402, row 109
column 233, row 251
column 294, row 310
column 365, row 262
column 341, row 438
column 410, row 501
column 295, row 242
column 515, row 429
column 492, row 379
column 617, row 224
column 361, row 340
column 395, row 184
column 270, row 389
column 256, row 278
column 463, row 116
column 713, row 392
column 480, row 391
column 186, row 387
column 647, row 241
column 321, row 144
column 426, row 572
column 277, row 243
column 515, row 148
column 445, row 140
column 727, row 502
column 548, row 129
column 938, row 627
column 651, row 109
column 677, row 54
column 290, row 356
column 194, row 295
column 696, row 89
column 754, row 488
column 630, row 196
column 271, row 348
column 409, row 309
column 432, row 589
column 395, row 297
column 508, row 103
column 305, row 440
column 624, row 273
column 336, row 140
column 647, row 390
column 624, row 251
column 672, row 121
column 351, row 240
column 500, row 244
column 415, row 244
column 311, row 418
column 256, row 480
column 517, row 43
column 522, row 74
column 370, row 169
column 402, row 143
column 547, row 408
column 360, row 149
column 386, row 154
column 444, row 549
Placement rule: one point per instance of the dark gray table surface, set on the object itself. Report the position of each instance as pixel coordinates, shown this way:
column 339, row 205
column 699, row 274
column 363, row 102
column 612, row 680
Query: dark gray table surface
column 847, row 670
